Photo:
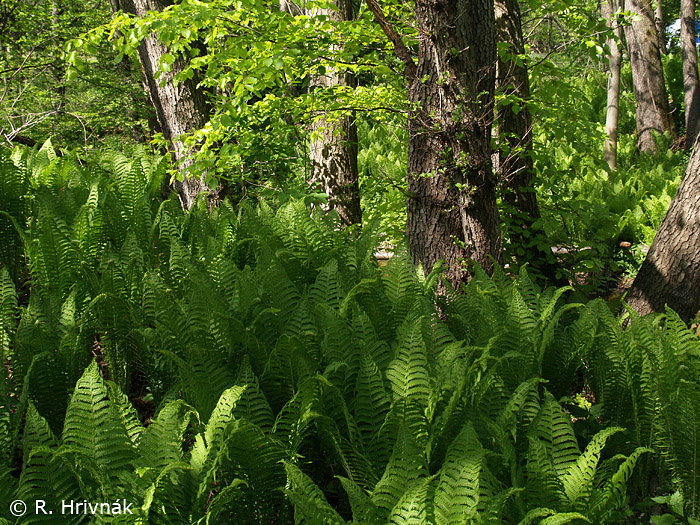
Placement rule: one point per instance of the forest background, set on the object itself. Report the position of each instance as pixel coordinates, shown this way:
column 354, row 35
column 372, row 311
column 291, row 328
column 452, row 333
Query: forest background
column 193, row 196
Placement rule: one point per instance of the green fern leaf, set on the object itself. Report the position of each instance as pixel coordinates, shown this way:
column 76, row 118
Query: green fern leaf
column 552, row 517
column 553, row 426
column 416, row 505
column 310, row 504
column 163, row 442
column 8, row 313
column 370, row 404
column 578, row 481
column 93, row 425
column 409, row 372
column 458, row 491
column 127, row 413
column 363, row 509
column 612, row 495
column 407, row 464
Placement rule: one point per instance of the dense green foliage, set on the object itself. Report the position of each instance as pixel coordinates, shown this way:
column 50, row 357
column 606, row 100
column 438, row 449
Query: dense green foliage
column 256, row 365
column 250, row 361
column 103, row 102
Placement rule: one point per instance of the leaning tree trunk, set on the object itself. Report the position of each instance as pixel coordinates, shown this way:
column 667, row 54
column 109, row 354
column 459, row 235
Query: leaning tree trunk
column 515, row 167
column 670, row 274
column 653, row 113
column 608, row 8
column 333, row 152
column 179, row 109
column 452, row 212
column 690, row 72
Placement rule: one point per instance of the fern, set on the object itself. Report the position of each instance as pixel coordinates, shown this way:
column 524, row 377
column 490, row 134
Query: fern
column 309, row 502
column 407, row 464
column 94, row 426
column 408, row 373
column 458, row 490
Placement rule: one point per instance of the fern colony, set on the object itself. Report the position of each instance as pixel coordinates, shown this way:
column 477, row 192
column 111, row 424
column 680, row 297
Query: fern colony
column 257, row 366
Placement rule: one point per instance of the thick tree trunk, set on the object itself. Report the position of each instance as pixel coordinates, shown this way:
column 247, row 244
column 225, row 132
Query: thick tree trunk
column 608, row 8
column 180, row 108
column 691, row 84
column 515, row 168
column 670, row 274
column 653, row 113
column 333, row 152
column 452, row 212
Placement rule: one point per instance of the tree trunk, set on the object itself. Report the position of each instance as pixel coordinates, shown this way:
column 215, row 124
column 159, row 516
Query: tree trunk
column 691, row 84
column 608, row 8
column 670, row 274
column 452, row 212
column 180, row 108
column 333, row 152
column 660, row 26
column 653, row 113
column 58, row 66
column 515, row 169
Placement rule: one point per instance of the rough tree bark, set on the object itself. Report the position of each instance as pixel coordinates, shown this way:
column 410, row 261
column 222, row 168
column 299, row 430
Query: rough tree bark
column 333, row 151
column 452, row 212
column 691, row 84
column 515, row 167
column 608, row 8
column 670, row 274
column 653, row 113
column 180, row 108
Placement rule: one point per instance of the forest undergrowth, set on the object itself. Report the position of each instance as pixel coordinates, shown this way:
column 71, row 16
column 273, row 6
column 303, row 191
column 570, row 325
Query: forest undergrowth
column 256, row 365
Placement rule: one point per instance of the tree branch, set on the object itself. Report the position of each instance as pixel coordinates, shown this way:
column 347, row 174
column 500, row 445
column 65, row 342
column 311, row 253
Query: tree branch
column 399, row 47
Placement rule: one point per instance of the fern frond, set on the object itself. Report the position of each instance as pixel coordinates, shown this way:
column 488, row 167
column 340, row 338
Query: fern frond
column 409, row 372
column 578, row 480
column 416, row 506
column 363, row 509
column 163, row 441
column 310, row 505
column 8, row 313
column 553, row 426
column 93, row 426
column 613, row 494
column 127, row 413
column 458, row 490
column 370, row 404
column 407, row 464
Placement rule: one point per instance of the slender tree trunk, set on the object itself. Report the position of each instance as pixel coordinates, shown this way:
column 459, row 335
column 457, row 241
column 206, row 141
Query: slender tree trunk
column 515, row 168
column 660, row 26
column 691, row 84
column 670, row 274
column 653, row 113
column 608, row 8
column 333, row 151
column 452, row 212
column 58, row 67
column 179, row 109
column 291, row 7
